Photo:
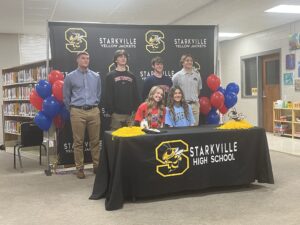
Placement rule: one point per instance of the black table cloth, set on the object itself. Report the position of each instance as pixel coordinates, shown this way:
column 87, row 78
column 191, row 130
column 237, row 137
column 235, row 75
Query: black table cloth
column 182, row 159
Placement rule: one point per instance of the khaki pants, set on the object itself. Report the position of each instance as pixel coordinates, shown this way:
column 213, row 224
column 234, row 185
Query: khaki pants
column 80, row 120
column 196, row 110
column 120, row 120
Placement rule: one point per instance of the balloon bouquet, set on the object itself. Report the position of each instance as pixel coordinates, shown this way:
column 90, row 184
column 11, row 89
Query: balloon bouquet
column 221, row 99
column 47, row 97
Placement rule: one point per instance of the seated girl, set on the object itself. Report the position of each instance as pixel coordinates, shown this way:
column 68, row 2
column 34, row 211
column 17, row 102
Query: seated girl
column 178, row 112
column 152, row 112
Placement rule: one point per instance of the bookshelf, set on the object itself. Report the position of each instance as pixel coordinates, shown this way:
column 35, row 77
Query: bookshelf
column 286, row 119
column 17, row 83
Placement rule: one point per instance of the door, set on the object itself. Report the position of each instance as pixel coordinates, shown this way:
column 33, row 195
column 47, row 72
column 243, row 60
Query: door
column 271, row 87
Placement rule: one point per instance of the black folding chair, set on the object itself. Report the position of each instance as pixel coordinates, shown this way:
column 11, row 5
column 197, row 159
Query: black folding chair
column 31, row 135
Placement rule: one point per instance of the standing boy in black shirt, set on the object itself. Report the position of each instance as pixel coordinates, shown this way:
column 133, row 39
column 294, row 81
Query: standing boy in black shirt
column 121, row 95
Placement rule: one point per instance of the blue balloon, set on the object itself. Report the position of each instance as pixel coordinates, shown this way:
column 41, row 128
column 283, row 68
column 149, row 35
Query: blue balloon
column 213, row 109
column 213, row 117
column 51, row 107
column 232, row 87
column 44, row 89
column 230, row 99
column 42, row 121
column 222, row 90
column 65, row 114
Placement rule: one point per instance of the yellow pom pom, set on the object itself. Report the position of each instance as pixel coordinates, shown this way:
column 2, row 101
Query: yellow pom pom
column 128, row 132
column 232, row 124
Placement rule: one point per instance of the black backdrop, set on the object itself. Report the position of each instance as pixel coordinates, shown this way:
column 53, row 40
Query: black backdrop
column 142, row 42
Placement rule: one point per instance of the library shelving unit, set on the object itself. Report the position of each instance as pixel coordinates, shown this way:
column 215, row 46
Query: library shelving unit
column 17, row 83
column 286, row 119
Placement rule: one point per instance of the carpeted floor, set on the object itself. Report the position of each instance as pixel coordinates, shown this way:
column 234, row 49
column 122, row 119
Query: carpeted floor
column 31, row 198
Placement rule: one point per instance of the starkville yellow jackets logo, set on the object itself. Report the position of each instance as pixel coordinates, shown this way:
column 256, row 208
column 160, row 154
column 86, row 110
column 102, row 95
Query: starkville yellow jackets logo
column 155, row 41
column 76, row 40
column 172, row 158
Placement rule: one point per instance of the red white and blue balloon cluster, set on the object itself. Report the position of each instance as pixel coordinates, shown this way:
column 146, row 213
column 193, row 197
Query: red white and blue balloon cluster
column 47, row 97
column 221, row 99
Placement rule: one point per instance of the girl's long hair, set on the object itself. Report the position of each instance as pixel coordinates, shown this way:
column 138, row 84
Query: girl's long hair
column 182, row 103
column 153, row 104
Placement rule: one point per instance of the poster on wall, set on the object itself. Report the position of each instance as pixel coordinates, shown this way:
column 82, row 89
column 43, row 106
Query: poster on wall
column 142, row 42
column 290, row 61
column 254, row 91
column 288, row 78
column 297, row 84
column 294, row 41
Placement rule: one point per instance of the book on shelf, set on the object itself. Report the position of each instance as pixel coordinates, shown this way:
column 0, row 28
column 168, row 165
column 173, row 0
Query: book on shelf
column 17, row 93
column 12, row 126
column 19, row 109
column 26, row 109
column 42, row 73
column 25, row 75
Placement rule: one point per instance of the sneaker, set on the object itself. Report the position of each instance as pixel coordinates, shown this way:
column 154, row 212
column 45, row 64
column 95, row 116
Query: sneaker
column 80, row 174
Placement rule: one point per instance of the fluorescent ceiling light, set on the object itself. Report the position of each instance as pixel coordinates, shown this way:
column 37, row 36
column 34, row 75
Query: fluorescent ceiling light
column 229, row 34
column 285, row 9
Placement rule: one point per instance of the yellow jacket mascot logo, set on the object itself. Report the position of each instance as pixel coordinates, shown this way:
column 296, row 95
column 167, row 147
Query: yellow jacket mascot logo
column 155, row 41
column 173, row 158
column 76, row 39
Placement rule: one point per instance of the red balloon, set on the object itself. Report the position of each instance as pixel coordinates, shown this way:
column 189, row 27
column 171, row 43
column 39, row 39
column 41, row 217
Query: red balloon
column 205, row 105
column 36, row 100
column 58, row 121
column 57, row 90
column 213, row 82
column 217, row 99
column 223, row 109
column 55, row 75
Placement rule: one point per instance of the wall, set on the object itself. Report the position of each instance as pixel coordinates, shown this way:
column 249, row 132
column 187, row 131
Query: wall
column 32, row 48
column 232, row 51
column 9, row 57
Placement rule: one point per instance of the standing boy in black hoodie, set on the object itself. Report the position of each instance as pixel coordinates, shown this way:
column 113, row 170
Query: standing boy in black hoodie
column 121, row 95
